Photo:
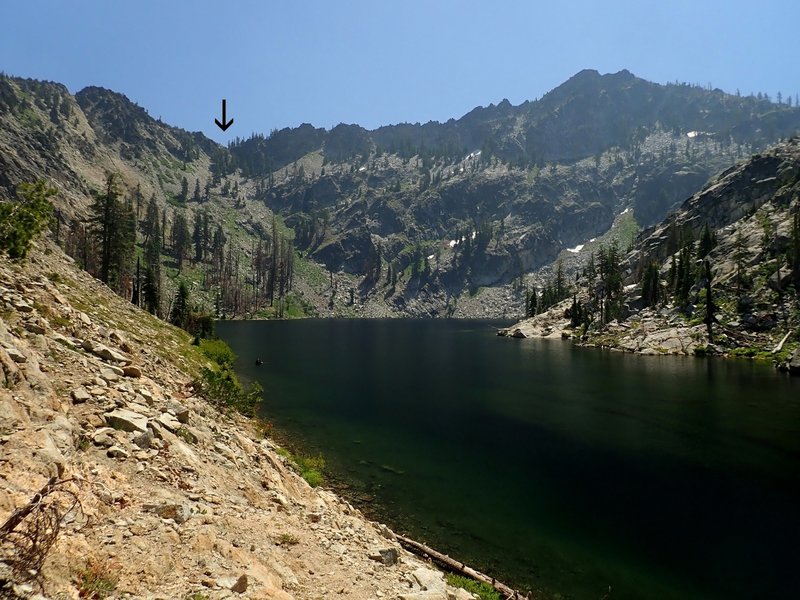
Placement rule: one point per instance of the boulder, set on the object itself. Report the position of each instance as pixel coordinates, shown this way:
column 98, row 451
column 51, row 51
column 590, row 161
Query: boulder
column 387, row 556
column 179, row 410
column 169, row 422
column 104, row 437
column 117, row 452
column 794, row 363
column 143, row 440
column 131, row 371
column 126, row 420
column 16, row 355
column 109, row 376
column 80, row 395
column 429, row 580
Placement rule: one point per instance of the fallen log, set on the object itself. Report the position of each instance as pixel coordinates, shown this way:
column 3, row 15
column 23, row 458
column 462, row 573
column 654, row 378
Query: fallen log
column 460, row 567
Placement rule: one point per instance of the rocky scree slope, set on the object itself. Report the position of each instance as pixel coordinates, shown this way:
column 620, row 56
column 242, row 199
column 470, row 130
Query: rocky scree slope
column 175, row 499
column 751, row 209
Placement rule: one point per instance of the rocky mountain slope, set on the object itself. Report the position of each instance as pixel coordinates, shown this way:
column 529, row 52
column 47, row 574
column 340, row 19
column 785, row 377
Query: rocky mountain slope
column 427, row 220
column 147, row 490
column 749, row 215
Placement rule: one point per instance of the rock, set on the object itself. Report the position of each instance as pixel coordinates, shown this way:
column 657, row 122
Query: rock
column 143, row 440
column 35, row 328
column 460, row 594
column 387, row 556
column 179, row 410
column 240, row 587
column 180, row 513
column 386, row 532
column 794, row 363
column 84, row 318
column 104, row 437
column 428, row 595
column 16, row 355
column 169, row 421
column 22, row 306
column 80, row 395
column 429, row 580
column 62, row 339
column 131, row 371
column 225, row 451
column 126, row 420
column 109, row 375
column 117, row 452
column 104, row 352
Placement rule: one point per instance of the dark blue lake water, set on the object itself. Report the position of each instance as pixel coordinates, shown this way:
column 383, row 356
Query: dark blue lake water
column 563, row 470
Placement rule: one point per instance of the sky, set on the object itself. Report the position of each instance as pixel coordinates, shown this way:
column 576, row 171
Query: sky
column 280, row 63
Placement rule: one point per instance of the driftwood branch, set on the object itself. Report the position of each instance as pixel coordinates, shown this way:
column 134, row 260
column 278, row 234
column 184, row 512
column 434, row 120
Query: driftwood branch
column 460, row 567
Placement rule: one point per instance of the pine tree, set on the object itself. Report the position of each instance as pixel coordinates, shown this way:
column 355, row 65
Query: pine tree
column 196, row 195
column 152, row 291
column 104, row 223
column 184, row 193
column 180, row 308
column 706, row 243
column 181, row 238
column 197, row 237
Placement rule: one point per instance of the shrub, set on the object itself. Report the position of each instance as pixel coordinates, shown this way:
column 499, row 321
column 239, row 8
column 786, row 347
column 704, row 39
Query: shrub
column 96, row 579
column 222, row 387
column 21, row 221
column 218, row 351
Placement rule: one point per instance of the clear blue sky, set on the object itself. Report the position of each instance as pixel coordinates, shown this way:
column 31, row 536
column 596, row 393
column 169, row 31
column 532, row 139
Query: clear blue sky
column 282, row 63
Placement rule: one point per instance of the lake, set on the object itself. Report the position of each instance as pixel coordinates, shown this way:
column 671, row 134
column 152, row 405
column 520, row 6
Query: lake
column 559, row 469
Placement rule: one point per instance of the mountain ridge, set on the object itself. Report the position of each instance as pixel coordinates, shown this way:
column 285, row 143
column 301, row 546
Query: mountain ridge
column 378, row 214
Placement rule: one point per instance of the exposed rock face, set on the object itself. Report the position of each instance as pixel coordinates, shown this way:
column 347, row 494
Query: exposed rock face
column 176, row 498
column 750, row 209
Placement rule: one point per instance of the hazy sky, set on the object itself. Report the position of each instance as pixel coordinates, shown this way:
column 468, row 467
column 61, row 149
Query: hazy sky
column 282, row 63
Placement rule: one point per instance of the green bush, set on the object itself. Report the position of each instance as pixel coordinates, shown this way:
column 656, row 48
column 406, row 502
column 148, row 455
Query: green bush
column 218, row 351
column 21, row 221
column 222, row 387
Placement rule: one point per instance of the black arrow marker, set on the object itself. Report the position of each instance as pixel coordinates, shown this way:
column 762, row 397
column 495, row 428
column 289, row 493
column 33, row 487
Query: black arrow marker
column 223, row 125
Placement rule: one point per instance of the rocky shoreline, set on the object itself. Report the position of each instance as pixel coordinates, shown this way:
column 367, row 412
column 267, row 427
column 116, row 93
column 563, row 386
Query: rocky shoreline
column 156, row 493
column 648, row 333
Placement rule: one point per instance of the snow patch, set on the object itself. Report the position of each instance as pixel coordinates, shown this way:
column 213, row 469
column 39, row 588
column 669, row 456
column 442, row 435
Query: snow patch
column 576, row 249
column 431, row 256
column 453, row 243
column 624, row 211
column 692, row 134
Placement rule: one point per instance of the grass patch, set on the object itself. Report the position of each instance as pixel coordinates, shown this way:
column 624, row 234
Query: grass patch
column 484, row 590
column 96, row 579
column 310, row 468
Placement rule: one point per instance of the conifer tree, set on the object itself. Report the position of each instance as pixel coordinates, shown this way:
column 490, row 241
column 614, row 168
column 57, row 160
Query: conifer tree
column 181, row 238
column 184, row 193
column 180, row 308
column 196, row 195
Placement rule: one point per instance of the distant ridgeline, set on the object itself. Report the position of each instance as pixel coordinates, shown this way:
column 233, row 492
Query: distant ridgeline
column 410, row 219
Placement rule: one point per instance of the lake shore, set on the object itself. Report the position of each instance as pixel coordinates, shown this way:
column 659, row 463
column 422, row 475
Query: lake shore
column 159, row 493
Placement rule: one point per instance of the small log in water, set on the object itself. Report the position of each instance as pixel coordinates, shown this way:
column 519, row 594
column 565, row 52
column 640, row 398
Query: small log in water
column 459, row 567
